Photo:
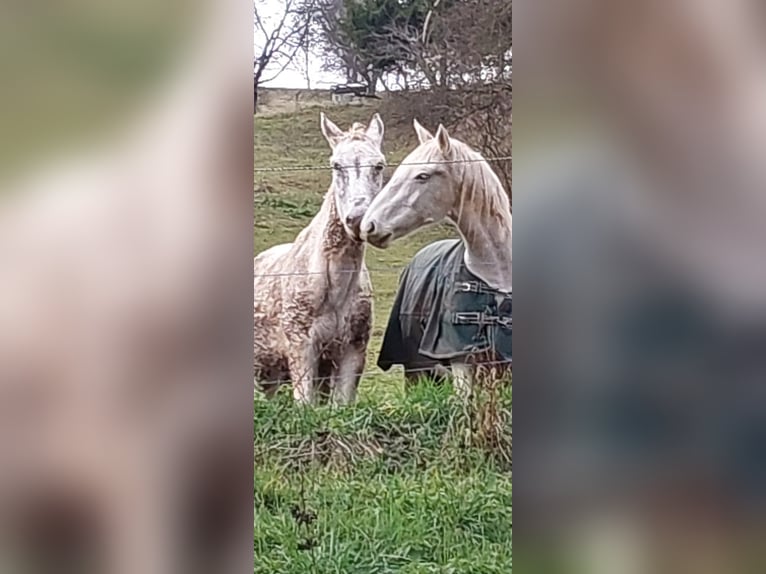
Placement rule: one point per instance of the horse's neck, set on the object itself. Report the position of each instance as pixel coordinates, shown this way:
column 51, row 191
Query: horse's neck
column 487, row 230
column 330, row 244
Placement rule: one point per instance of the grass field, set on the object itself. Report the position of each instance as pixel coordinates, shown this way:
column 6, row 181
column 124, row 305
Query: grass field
column 411, row 483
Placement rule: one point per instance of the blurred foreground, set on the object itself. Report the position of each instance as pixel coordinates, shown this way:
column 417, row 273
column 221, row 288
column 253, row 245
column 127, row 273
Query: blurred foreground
column 641, row 297
column 125, row 397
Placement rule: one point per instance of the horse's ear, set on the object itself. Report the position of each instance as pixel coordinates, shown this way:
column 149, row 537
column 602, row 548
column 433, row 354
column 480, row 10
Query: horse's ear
column 423, row 134
column 442, row 138
column 331, row 132
column 375, row 130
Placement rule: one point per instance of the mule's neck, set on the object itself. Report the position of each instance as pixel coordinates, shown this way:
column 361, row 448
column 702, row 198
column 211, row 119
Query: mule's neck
column 483, row 218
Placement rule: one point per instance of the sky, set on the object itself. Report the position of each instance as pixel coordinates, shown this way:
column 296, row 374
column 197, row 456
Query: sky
column 294, row 76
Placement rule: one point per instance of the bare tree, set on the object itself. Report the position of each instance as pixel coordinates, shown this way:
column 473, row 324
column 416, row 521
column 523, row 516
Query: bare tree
column 356, row 41
column 338, row 53
column 279, row 37
column 460, row 44
column 451, row 63
column 459, row 70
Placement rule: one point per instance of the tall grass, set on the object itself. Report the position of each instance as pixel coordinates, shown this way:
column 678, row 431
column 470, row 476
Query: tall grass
column 408, row 485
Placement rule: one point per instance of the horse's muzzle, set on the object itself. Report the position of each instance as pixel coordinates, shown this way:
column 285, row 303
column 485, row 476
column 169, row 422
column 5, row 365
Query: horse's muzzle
column 353, row 223
column 375, row 235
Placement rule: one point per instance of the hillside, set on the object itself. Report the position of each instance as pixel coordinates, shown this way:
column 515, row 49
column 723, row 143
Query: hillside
column 410, row 483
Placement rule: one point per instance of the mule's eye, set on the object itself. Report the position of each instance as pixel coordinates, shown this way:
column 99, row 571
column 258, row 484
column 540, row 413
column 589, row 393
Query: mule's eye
column 336, row 166
column 423, row 176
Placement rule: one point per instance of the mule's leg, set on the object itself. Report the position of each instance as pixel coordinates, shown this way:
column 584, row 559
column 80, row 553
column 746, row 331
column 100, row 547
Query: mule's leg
column 347, row 375
column 463, row 379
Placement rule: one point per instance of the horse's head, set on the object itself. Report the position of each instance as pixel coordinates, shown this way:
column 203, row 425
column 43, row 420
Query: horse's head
column 357, row 168
column 421, row 191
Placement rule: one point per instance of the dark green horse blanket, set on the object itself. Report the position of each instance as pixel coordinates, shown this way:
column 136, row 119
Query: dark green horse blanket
column 444, row 312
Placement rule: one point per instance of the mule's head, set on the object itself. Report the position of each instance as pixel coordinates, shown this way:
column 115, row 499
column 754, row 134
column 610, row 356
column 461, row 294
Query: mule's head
column 422, row 190
column 357, row 168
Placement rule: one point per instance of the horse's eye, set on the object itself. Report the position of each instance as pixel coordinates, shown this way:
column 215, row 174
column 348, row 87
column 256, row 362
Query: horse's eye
column 336, row 166
column 379, row 167
column 422, row 176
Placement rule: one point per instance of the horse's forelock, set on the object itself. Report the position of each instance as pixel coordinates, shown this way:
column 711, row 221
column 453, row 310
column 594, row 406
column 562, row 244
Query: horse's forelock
column 489, row 195
column 358, row 132
column 430, row 152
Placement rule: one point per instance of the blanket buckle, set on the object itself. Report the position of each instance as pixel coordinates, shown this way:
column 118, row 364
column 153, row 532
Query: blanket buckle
column 468, row 318
column 467, row 287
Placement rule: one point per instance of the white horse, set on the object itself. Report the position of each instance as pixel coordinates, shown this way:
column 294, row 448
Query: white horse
column 444, row 178
column 313, row 297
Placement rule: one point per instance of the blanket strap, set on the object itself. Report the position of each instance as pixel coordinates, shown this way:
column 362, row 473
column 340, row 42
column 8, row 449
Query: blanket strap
column 478, row 318
column 477, row 287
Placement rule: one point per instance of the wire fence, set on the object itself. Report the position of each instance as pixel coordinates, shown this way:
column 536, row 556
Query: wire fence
column 375, row 269
column 410, row 371
column 287, row 168
column 276, row 169
column 388, row 269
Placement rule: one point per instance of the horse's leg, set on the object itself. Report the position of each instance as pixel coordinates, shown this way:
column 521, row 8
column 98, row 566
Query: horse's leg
column 417, row 375
column 347, row 375
column 269, row 389
column 440, row 374
column 304, row 369
column 324, row 383
column 412, row 377
column 435, row 374
column 463, row 379
column 348, row 371
column 268, row 381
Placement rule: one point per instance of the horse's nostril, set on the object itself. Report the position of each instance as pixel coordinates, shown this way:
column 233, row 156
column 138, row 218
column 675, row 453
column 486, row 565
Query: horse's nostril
column 366, row 229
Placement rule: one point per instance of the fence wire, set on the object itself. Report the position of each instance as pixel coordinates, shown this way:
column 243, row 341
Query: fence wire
column 272, row 169
column 417, row 370
column 352, row 271
column 388, row 269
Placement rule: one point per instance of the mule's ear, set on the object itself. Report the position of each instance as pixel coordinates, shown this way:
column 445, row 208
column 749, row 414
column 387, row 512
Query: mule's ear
column 423, row 134
column 375, row 130
column 331, row 132
column 442, row 138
